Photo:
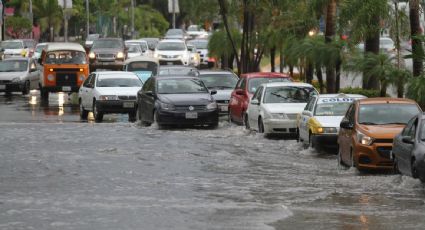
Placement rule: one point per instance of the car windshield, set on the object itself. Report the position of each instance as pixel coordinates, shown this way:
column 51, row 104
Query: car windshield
column 174, row 32
column 176, row 71
column 13, row 66
column 66, row 57
column 254, row 83
column 331, row 109
column 134, row 48
column 178, row 46
column 29, row 44
column 118, row 82
column 40, row 48
column 142, row 45
column 143, row 66
column 200, row 44
column 288, row 94
column 388, row 113
column 12, row 45
column 102, row 44
column 221, row 81
column 181, row 86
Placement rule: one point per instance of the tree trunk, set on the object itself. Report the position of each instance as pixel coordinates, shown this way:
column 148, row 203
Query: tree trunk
column 272, row 57
column 230, row 61
column 383, row 92
column 415, row 30
column 309, row 73
column 371, row 46
column 320, row 78
column 329, row 34
column 338, row 76
column 281, row 61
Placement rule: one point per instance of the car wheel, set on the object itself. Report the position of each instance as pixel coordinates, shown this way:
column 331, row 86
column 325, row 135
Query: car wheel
column 26, row 89
column 246, row 122
column 83, row 113
column 260, row 125
column 132, row 116
column 98, row 115
column 414, row 168
column 341, row 164
column 138, row 113
column 310, row 141
column 395, row 167
column 155, row 119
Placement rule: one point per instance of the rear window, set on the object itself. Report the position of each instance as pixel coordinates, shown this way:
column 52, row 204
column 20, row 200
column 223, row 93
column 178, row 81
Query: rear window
column 177, row 46
column 254, row 83
column 288, row 94
column 382, row 114
column 118, row 82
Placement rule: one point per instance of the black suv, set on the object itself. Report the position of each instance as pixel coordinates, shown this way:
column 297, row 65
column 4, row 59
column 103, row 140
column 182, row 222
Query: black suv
column 107, row 53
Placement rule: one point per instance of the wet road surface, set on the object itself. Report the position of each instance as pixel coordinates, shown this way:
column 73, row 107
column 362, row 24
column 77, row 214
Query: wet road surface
column 59, row 173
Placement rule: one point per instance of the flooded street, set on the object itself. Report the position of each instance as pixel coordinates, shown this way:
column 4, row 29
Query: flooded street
column 59, row 173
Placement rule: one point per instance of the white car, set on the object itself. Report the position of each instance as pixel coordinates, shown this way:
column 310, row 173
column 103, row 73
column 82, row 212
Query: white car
column 195, row 58
column 134, row 50
column 202, row 48
column 38, row 49
column 275, row 106
column 172, row 52
column 109, row 92
column 14, row 48
column 195, row 31
column 319, row 123
column 143, row 45
column 89, row 41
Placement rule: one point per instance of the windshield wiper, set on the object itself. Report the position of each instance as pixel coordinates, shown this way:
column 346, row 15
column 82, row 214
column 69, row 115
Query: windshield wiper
column 368, row 123
column 278, row 95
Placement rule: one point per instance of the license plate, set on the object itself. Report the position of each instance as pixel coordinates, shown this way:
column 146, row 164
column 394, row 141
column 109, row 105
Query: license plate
column 2, row 86
column 224, row 108
column 66, row 88
column 128, row 105
column 191, row 115
column 169, row 63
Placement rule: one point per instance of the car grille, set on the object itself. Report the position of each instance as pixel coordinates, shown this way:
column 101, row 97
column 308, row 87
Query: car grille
column 162, row 62
column 169, row 56
column 4, row 81
column 66, row 70
column 222, row 101
column 66, row 79
column 106, row 56
column 195, row 107
column 127, row 97
column 292, row 116
column 384, row 151
column 383, row 141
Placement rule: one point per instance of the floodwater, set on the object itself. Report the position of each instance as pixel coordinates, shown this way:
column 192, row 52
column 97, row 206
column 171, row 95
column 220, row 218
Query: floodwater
column 59, row 173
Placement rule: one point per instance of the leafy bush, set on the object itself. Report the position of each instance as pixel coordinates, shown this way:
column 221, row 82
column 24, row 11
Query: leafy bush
column 416, row 90
column 361, row 91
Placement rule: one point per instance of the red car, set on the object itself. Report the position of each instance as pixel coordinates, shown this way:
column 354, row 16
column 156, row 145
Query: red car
column 245, row 89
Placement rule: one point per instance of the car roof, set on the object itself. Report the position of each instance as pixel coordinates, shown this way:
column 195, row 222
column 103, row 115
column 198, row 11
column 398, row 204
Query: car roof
column 175, row 77
column 17, row 59
column 111, row 73
column 135, row 41
column 277, row 84
column 64, row 46
column 341, row 95
column 201, row 72
column 264, row 74
column 388, row 100
column 172, row 40
column 13, row 40
column 141, row 58
column 177, row 67
column 42, row 44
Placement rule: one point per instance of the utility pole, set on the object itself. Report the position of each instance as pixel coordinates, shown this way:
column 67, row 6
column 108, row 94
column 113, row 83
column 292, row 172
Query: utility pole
column 88, row 19
column 65, row 17
column 174, row 13
column 132, row 19
column 32, row 20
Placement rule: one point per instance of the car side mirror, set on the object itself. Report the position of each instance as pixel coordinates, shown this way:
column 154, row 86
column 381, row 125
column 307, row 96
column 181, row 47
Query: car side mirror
column 149, row 93
column 255, row 102
column 307, row 113
column 89, row 85
column 345, row 124
column 213, row 92
column 407, row 140
column 33, row 69
column 240, row 92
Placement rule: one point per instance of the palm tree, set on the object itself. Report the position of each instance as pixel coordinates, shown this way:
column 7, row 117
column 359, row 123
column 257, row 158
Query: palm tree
column 50, row 13
column 415, row 29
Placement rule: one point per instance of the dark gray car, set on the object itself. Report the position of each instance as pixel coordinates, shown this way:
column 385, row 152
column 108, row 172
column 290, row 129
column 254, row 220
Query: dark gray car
column 107, row 53
column 409, row 149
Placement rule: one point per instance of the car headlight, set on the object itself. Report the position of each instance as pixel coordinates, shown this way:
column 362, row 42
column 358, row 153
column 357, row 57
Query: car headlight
column 92, row 55
column 155, row 55
column 327, row 130
column 108, row 97
column 120, row 55
column 212, row 105
column 82, row 77
column 50, row 77
column 166, row 106
column 364, row 139
column 279, row 116
column 16, row 80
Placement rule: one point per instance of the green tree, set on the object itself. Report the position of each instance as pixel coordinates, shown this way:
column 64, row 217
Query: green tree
column 18, row 26
column 49, row 13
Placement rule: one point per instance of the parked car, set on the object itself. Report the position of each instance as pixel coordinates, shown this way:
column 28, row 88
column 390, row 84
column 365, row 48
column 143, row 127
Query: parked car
column 179, row 70
column 318, row 124
column 368, row 128
column 275, row 106
column 109, row 92
column 223, row 82
column 194, row 31
column 152, row 42
column 172, row 52
column 143, row 67
column 38, row 50
column 174, row 100
column 245, row 88
column 409, row 149
column 143, row 46
column 134, row 50
column 14, row 48
column 107, row 53
column 176, row 34
column 195, row 59
column 90, row 38
column 64, row 68
column 202, row 48
column 18, row 75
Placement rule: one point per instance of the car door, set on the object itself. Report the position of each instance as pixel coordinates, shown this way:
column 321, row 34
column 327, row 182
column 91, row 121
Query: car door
column 83, row 91
column 237, row 99
column 90, row 94
column 254, row 108
column 345, row 135
column 147, row 100
column 34, row 74
column 404, row 151
column 304, row 119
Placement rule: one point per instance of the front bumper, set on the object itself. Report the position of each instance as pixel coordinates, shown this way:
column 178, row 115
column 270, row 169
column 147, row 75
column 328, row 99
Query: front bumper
column 326, row 140
column 376, row 156
column 61, row 88
column 223, row 108
column 209, row 117
column 97, row 64
column 9, row 86
column 173, row 61
column 116, row 106
column 280, row 126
